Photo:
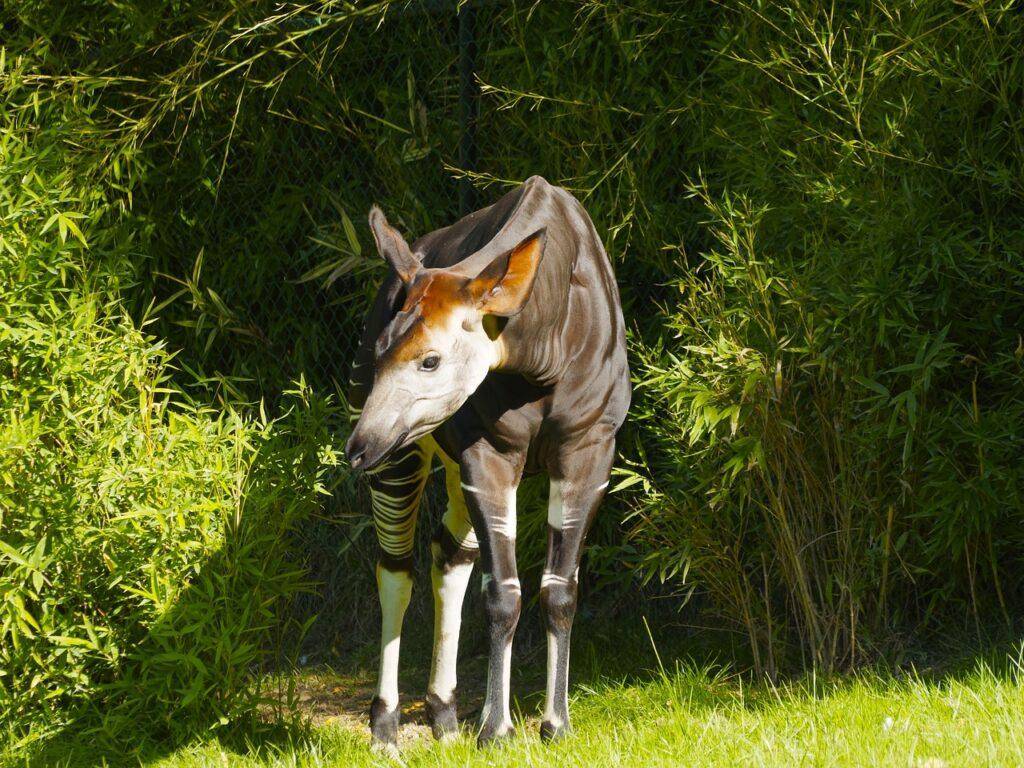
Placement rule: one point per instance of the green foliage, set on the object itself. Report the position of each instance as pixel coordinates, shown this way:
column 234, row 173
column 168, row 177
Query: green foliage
column 834, row 427
column 296, row 123
column 145, row 566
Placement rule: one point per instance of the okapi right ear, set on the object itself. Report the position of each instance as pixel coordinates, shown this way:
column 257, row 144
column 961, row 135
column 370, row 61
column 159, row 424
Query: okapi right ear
column 392, row 246
column 504, row 285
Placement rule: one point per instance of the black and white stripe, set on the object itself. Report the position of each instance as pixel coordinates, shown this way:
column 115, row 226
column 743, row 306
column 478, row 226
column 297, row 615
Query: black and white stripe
column 395, row 491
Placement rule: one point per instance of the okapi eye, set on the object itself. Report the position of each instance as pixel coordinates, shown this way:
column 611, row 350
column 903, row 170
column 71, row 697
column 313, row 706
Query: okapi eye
column 430, row 362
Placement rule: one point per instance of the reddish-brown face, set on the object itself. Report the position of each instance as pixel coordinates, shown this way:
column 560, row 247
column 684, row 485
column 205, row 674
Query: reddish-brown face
column 435, row 352
column 434, row 299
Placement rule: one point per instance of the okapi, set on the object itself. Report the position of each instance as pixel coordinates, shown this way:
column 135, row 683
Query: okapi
column 496, row 344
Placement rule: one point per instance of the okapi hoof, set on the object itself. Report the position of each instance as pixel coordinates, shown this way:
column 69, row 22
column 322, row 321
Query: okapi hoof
column 384, row 727
column 493, row 733
column 444, row 721
column 550, row 732
column 388, row 751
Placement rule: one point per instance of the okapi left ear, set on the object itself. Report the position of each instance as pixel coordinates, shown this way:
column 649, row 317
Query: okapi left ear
column 504, row 285
column 392, row 246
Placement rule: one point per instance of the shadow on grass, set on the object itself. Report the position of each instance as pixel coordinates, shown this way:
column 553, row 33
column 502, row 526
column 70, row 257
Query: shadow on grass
column 608, row 651
column 219, row 665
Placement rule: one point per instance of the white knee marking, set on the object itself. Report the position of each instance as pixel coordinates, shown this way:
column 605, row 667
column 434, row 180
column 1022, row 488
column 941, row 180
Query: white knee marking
column 560, row 515
column 511, row 583
column 552, row 578
column 505, row 525
column 395, row 589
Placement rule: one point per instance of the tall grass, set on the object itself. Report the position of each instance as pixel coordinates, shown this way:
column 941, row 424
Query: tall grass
column 834, row 421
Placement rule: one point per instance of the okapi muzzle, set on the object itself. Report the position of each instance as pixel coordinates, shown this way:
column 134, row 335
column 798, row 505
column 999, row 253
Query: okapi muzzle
column 440, row 345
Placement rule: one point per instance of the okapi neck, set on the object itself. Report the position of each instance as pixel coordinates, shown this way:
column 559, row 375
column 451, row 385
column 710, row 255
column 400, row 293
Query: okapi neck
column 538, row 354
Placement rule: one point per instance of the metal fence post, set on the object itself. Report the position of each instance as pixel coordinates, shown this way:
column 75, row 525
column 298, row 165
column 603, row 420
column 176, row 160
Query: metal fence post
column 468, row 105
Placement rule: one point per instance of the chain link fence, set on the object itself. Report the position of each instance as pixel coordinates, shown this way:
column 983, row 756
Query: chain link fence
column 269, row 241
column 285, row 266
column 263, row 194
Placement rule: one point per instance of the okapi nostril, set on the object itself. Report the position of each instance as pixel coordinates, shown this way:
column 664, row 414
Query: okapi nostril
column 355, row 451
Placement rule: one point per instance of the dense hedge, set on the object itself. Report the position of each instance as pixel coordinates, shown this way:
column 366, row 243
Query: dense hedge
column 827, row 438
column 143, row 536
column 817, row 222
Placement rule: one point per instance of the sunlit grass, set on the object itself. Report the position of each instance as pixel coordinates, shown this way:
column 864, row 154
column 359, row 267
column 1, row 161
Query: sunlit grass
column 699, row 716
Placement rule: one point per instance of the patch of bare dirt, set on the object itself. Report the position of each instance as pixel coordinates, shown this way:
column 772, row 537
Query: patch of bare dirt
column 328, row 697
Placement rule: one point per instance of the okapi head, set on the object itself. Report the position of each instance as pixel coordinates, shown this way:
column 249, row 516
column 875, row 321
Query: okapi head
column 439, row 347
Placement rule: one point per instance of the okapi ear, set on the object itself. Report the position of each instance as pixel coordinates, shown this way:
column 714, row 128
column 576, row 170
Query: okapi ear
column 504, row 285
column 392, row 246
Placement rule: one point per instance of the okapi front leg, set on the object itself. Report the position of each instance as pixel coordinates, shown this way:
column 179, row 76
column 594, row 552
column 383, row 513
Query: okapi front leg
column 572, row 504
column 489, row 483
column 395, row 491
column 455, row 549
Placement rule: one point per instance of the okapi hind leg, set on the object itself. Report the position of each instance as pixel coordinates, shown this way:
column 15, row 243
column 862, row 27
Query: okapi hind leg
column 572, row 505
column 454, row 549
column 395, row 491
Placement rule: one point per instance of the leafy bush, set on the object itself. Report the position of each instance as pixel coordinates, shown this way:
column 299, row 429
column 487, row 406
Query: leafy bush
column 831, row 421
column 144, row 538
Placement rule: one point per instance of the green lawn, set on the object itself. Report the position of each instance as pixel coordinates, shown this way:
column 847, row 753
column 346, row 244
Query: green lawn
column 691, row 716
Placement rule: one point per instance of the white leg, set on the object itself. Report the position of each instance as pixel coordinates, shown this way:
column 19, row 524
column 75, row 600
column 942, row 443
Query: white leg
column 449, row 591
column 454, row 551
column 450, row 581
column 556, row 699
column 395, row 589
column 395, row 490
